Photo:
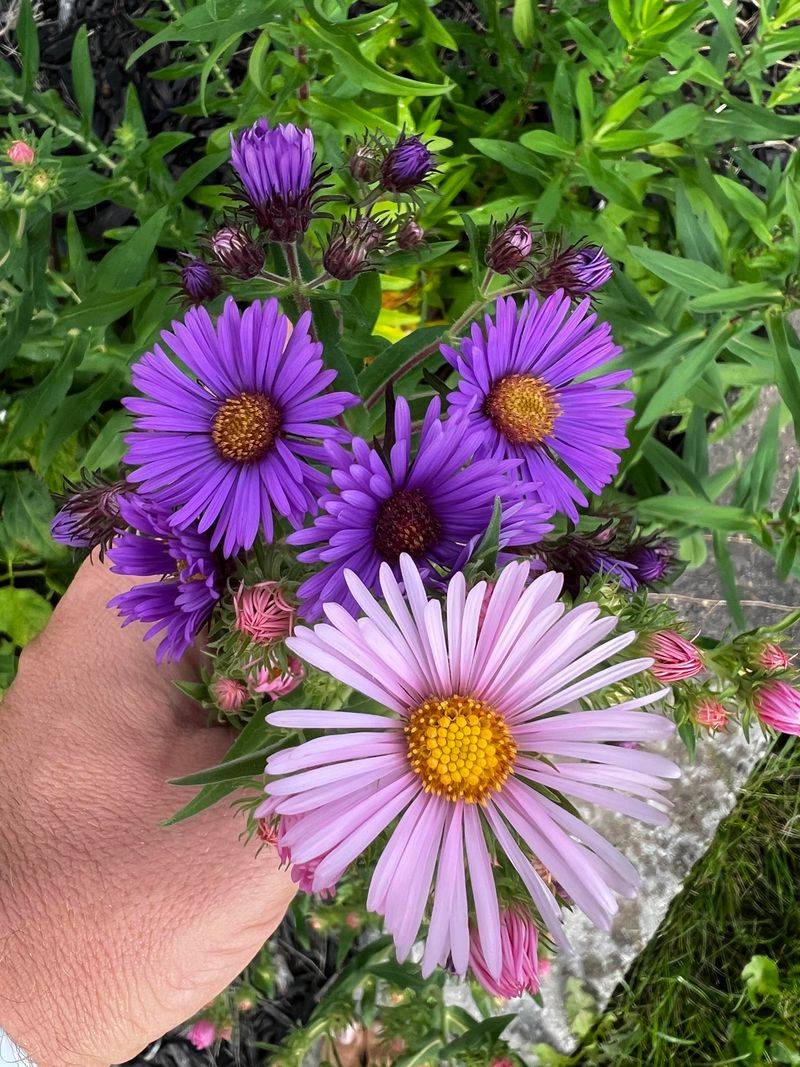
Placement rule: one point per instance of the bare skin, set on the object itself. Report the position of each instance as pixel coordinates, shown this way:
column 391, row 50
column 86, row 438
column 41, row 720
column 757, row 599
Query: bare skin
column 114, row 928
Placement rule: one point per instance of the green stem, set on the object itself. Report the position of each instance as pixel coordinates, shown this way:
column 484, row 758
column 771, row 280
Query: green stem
column 293, row 265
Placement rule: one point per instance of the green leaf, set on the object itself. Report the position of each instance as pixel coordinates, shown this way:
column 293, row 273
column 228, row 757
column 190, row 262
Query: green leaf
column 102, row 308
column 36, row 404
column 23, row 613
column 475, row 258
column 354, row 64
column 234, row 770
column 26, row 510
column 696, row 514
column 82, row 76
column 546, row 143
column 74, row 413
column 514, row 157
column 391, row 359
column 482, row 1035
column 126, row 263
column 727, row 578
column 787, row 376
column 522, row 22
column 681, row 377
column 28, row 41
column 426, row 1054
column 688, row 275
column 210, row 22
column 761, row 978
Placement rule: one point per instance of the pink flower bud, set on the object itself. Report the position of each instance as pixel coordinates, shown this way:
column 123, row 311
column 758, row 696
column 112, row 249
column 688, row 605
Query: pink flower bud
column 675, row 657
column 202, row 1034
column 270, row 681
column 267, row 831
column 263, row 612
column 226, row 1033
column 545, row 966
column 519, row 965
column 778, row 705
column 229, row 694
column 502, row 1062
column 21, row 154
column 773, row 658
column 711, row 714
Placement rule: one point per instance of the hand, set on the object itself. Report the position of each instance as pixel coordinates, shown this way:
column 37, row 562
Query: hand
column 114, row 928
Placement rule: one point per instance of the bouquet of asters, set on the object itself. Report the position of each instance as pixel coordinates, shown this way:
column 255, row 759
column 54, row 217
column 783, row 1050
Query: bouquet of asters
column 434, row 633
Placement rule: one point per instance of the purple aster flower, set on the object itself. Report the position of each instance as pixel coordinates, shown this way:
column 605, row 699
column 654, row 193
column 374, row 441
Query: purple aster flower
column 529, row 383
column 187, row 584
column 230, row 442
column 407, row 164
column 651, row 558
column 577, row 270
column 199, row 281
column 509, row 247
column 89, row 514
column 276, row 168
column 434, row 504
column 475, row 748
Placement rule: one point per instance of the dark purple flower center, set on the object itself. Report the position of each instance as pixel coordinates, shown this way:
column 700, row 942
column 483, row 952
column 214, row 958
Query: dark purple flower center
column 522, row 408
column 245, row 427
column 406, row 523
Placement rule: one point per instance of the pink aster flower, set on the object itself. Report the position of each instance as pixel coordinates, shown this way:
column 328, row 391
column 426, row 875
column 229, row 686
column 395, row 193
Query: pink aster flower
column 263, row 612
column 272, row 682
column 773, row 658
column 519, row 971
column 778, row 705
column 711, row 714
column 479, row 734
column 675, row 657
column 229, row 694
column 202, row 1034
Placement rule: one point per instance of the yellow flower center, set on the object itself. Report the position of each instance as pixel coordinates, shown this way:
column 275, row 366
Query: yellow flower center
column 523, row 408
column 460, row 747
column 245, row 427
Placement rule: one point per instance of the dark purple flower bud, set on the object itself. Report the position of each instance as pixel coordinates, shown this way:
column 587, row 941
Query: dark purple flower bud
column 370, row 231
column 578, row 271
column 410, row 235
column 89, row 514
column 509, row 247
column 347, row 253
column 236, row 251
column 579, row 557
column 199, row 281
column 406, row 164
column 276, row 169
column 651, row 559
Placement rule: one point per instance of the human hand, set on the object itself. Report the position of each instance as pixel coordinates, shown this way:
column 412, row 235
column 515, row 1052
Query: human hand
column 114, row 928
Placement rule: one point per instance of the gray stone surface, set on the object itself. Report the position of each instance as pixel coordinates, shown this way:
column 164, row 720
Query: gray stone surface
column 702, row 797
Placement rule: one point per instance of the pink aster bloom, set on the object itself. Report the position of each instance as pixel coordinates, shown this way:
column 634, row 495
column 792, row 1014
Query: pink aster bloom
column 778, row 705
column 229, row 694
column 675, row 657
column 272, row 682
column 263, row 612
column 711, row 714
column 458, row 756
column 773, row 658
column 519, row 972
column 202, row 1034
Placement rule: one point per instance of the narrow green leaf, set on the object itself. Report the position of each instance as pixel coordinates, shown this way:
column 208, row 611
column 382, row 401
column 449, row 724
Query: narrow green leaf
column 787, row 376
column 682, row 376
column 82, row 75
column 522, row 22
column 28, row 41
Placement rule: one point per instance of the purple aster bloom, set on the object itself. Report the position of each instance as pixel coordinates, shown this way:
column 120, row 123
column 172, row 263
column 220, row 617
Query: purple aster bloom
column 604, row 563
column 276, row 168
column 529, row 382
column 182, row 598
column 651, row 559
column 199, row 281
column 577, row 270
column 230, row 442
column 433, row 504
column 89, row 514
column 406, row 164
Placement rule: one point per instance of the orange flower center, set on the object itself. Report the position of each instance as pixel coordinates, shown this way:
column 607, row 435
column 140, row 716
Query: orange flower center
column 460, row 747
column 245, row 427
column 522, row 408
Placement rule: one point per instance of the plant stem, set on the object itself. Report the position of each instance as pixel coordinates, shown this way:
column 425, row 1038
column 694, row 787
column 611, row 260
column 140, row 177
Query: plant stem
column 293, row 264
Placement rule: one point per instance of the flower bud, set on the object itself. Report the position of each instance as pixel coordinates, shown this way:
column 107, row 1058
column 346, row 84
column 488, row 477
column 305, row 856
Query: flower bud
column 371, row 231
column 675, row 657
column 202, row 1034
column 347, row 254
column 263, row 612
column 267, row 830
column 778, row 705
column 578, row 271
column 276, row 683
column 41, row 182
column 519, row 960
column 407, row 164
column 21, row 154
column 237, row 252
column 89, row 514
column 651, row 559
column 710, row 713
column 509, row 247
column 773, row 658
column 410, row 235
column 364, row 164
column 199, row 281
column 229, row 694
